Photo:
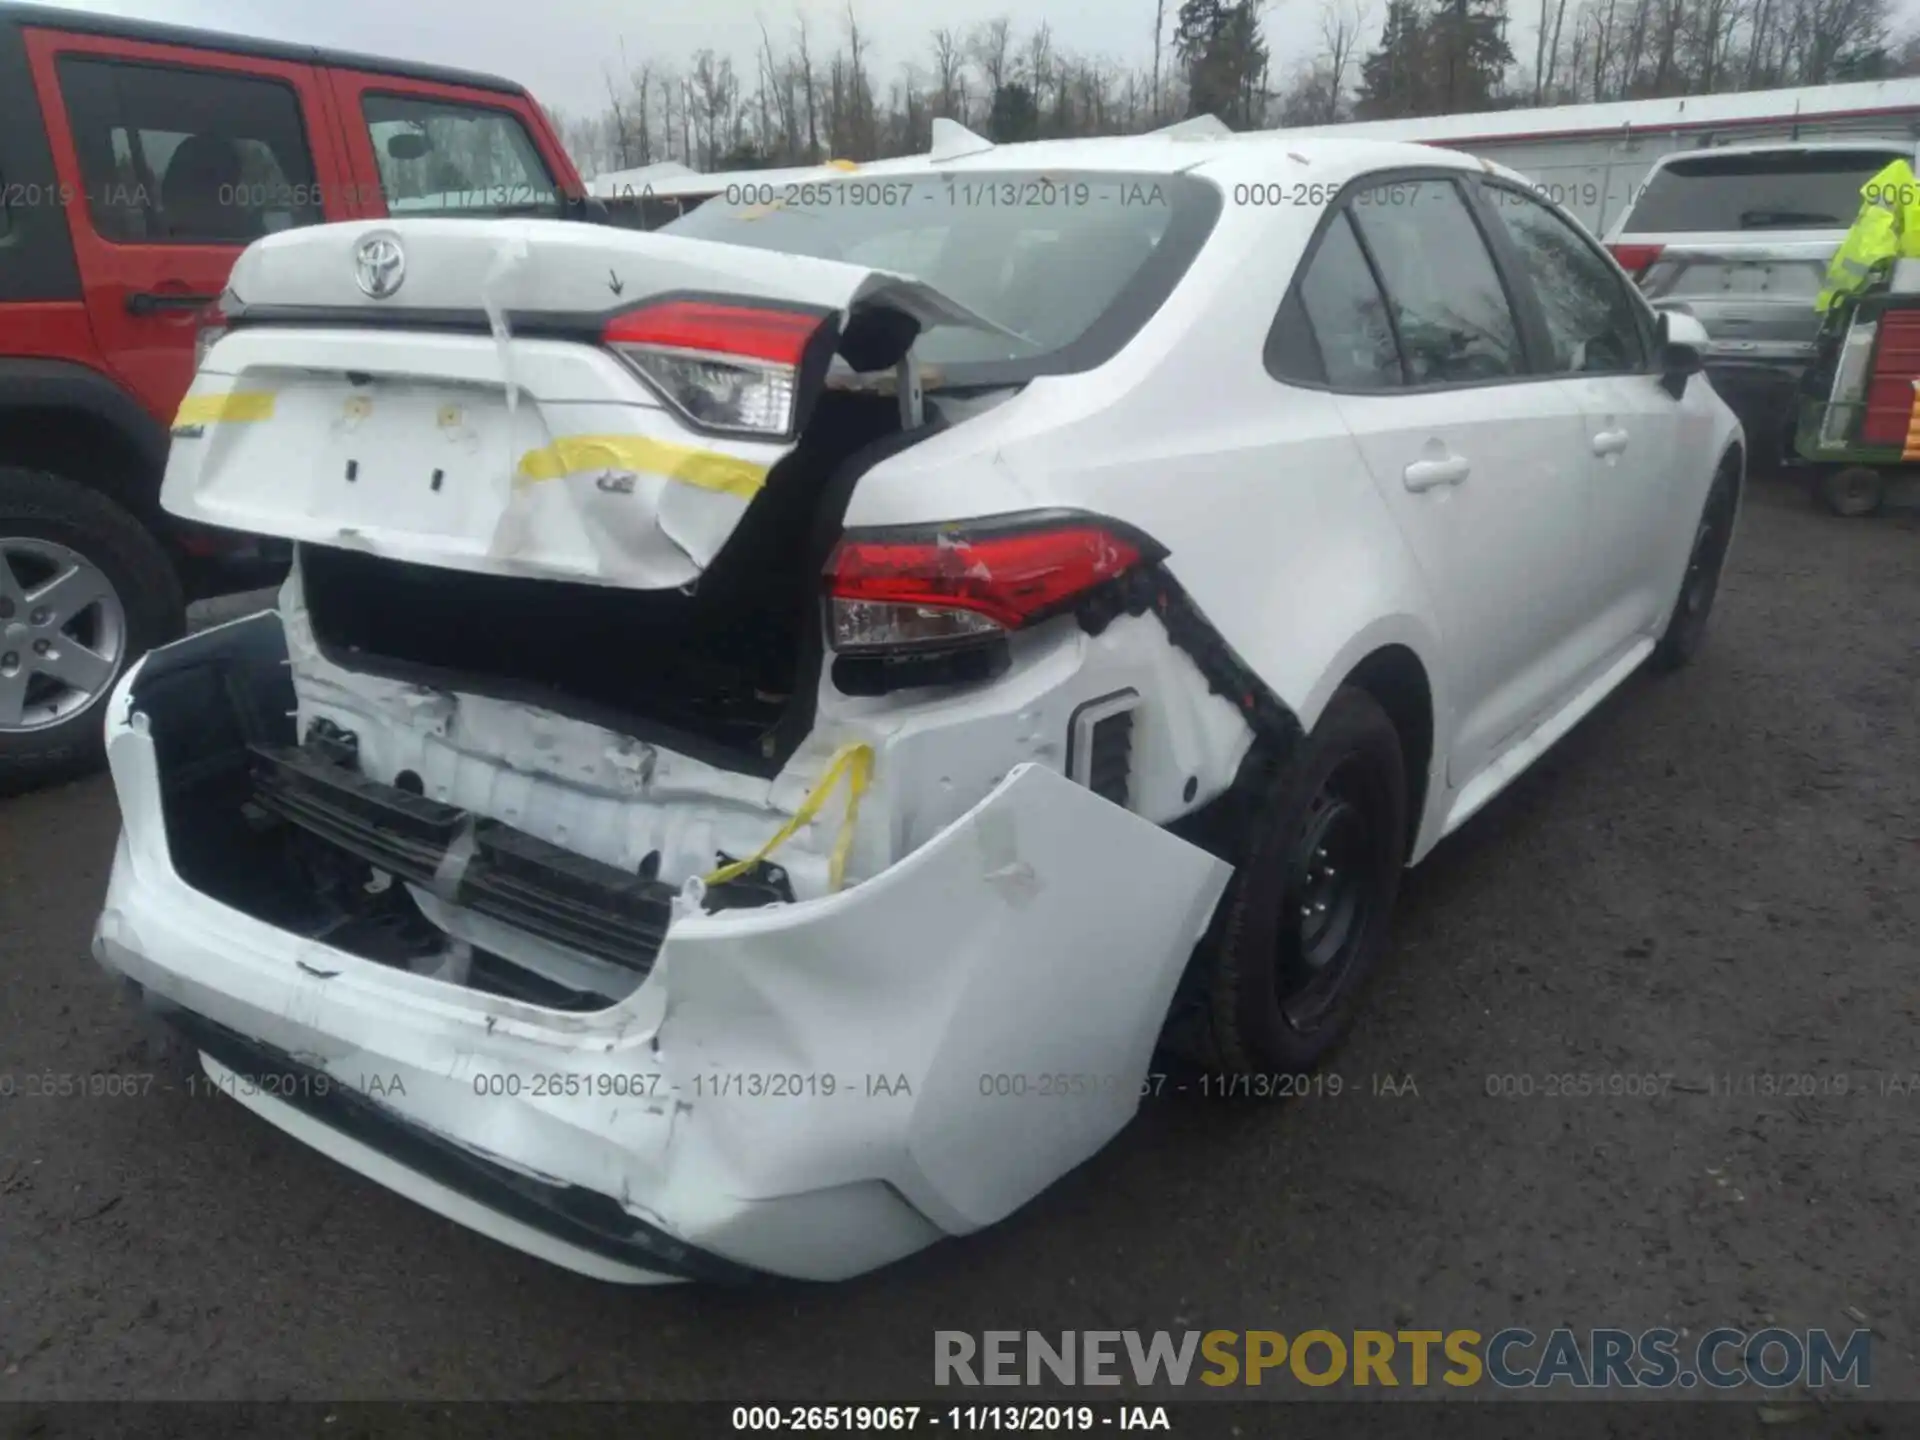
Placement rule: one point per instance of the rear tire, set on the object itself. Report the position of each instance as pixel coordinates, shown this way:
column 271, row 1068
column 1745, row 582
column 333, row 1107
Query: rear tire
column 1308, row 912
column 59, row 659
column 1852, row 491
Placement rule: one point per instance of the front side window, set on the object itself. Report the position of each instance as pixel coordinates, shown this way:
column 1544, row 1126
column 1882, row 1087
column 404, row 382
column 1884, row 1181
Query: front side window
column 178, row 156
column 1591, row 320
column 1448, row 304
column 444, row 158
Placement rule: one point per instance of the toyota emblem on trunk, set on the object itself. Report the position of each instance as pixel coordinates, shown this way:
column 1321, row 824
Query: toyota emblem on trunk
column 379, row 265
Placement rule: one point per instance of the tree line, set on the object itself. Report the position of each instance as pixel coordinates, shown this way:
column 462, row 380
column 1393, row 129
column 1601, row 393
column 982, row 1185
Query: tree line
column 805, row 96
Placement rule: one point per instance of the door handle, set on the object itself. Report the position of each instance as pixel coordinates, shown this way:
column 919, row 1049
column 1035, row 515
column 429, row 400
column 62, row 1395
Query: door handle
column 1430, row 474
column 148, row 302
column 1610, row 442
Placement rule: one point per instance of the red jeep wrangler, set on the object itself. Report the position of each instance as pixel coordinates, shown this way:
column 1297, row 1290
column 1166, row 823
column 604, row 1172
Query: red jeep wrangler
column 136, row 161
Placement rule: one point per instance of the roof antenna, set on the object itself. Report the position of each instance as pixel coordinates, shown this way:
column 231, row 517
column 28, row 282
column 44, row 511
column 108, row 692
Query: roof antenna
column 951, row 140
column 1198, row 127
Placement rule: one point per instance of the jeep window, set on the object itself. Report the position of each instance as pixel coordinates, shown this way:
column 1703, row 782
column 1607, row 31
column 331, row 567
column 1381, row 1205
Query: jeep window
column 439, row 157
column 1591, row 320
column 1069, row 264
column 1448, row 304
column 178, row 156
column 1768, row 190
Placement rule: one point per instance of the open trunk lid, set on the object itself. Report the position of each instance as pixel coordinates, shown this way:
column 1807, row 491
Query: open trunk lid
column 444, row 391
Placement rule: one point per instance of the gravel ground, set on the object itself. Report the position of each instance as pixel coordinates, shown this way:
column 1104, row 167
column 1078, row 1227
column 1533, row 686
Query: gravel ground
column 1712, row 879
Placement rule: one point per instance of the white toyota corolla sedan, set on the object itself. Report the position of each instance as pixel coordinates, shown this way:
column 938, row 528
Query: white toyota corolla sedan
column 774, row 721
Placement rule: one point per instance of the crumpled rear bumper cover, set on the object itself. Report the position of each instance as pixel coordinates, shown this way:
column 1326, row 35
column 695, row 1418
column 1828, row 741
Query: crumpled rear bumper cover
column 577, row 1218
column 950, row 1035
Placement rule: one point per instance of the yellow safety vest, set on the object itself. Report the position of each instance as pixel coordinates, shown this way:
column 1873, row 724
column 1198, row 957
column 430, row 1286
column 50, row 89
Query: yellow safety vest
column 1887, row 228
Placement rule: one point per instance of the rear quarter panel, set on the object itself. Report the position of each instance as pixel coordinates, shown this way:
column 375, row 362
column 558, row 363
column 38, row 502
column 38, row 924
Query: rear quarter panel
column 1256, row 488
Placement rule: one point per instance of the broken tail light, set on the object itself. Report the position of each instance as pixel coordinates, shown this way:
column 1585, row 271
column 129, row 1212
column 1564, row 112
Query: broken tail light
column 893, row 592
column 729, row 368
column 1636, row 260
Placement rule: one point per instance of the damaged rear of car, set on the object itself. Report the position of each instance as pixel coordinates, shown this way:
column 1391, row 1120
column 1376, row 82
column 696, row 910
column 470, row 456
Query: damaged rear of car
column 622, row 854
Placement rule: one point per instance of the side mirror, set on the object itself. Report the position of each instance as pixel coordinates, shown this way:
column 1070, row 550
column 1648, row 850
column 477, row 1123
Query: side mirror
column 589, row 208
column 1683, row 342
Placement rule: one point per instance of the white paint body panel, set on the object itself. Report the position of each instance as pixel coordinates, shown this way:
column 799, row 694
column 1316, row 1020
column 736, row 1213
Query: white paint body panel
column 1001, row 920
column 1043, row 900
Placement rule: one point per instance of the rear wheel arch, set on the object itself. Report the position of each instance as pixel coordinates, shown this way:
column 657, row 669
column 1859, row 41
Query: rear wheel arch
column 73, row 421
column 1397, row 680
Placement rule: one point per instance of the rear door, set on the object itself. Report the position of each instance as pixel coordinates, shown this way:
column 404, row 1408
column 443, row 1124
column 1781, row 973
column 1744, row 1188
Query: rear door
column 426, row 148
column 1639, row 438
column 180, row 158
column 1483, row 463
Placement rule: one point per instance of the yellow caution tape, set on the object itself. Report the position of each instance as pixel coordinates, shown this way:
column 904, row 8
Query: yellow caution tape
column 843, row 164
column 228, row 409
column 705, row 469
column 855, row 761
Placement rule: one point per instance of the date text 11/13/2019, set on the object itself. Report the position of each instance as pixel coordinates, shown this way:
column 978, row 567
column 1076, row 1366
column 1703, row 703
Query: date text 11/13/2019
column 1032, row 1419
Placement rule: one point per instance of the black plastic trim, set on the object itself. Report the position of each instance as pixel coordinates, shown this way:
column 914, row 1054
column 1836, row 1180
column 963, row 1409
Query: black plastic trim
column 36, row 384
column 517, row 878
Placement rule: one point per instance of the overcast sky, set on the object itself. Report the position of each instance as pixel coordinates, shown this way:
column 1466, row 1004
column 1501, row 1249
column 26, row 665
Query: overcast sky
column 561, row 49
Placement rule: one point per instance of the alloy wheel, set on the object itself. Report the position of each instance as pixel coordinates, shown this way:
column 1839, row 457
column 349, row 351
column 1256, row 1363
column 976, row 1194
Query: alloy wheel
column 63, row 634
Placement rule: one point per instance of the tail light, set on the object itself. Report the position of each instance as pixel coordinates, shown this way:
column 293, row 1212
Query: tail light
column 732, row 369
column 892, row 592
column 1636, row 260
column 210, row 325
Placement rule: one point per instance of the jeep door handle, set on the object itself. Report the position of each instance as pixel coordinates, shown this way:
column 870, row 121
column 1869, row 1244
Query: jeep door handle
column 146, row 302
column 1610, row 442
column 1431, row 474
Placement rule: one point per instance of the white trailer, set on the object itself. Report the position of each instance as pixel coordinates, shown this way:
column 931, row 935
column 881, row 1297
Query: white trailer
column 1593, row 158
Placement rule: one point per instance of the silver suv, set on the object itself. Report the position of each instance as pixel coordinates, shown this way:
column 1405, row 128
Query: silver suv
column 1740, row 237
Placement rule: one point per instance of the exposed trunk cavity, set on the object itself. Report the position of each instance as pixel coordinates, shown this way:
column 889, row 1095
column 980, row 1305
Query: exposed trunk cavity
column 724, row 670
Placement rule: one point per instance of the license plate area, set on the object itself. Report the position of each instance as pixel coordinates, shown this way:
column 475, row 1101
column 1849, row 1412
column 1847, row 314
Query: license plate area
column 400, row 456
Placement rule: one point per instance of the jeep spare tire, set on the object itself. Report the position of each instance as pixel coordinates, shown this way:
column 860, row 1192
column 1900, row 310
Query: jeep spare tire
column 85, row 589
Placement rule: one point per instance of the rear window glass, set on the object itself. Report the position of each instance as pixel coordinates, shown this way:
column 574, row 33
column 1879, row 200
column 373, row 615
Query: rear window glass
column 1804, row 190
column 1069, row 264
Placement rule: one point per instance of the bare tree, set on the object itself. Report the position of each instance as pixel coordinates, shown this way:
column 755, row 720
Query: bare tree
column 806, row 81
column 1159, row 31
column 1340, row 28
column 991, row 45
column 949, row 74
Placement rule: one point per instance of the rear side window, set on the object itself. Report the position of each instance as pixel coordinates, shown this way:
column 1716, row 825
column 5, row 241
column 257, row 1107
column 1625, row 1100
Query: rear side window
column 1448, row 304
column 1348, row 339
column 180, row 156
column 440, row 157
column 1592, row 322
column 1788, row 190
